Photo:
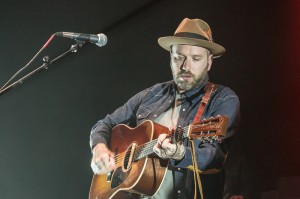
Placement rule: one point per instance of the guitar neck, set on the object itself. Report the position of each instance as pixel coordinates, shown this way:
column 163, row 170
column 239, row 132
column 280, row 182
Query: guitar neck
column 147, row 148
column 206, row 130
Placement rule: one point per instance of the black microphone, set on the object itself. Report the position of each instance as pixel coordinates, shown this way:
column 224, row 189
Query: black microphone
column 99, row 39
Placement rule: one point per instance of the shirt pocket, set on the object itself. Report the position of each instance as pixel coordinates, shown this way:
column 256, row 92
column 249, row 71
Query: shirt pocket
column 142, row 113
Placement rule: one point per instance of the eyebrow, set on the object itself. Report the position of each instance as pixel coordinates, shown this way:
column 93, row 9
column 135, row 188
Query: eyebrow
column 196, row 55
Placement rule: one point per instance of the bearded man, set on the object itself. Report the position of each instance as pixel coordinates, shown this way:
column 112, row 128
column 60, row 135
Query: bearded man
column 176, row 104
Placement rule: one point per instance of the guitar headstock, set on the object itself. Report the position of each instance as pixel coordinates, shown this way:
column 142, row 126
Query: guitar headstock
column 210, row 129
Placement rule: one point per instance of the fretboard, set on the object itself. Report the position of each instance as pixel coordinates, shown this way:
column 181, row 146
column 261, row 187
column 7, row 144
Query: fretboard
column 147, row 148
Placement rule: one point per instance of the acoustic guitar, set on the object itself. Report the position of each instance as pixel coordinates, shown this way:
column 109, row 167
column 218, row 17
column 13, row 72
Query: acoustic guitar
column 138, row 170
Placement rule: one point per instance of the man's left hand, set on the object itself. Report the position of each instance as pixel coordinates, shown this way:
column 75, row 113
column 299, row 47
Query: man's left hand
column 165, row 149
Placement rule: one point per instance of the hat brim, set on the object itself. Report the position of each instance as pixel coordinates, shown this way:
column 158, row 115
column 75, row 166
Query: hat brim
column 216, row 49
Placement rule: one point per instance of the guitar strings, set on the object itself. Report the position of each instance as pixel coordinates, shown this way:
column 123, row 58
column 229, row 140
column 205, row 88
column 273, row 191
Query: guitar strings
column 147, row 148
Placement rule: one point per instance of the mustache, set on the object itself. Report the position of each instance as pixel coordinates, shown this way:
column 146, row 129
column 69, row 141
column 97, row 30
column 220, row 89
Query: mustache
column 185, row 73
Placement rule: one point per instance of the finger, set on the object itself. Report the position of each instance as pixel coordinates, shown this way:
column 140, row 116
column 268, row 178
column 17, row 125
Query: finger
column 100, row 165
column 105, row 159
column 100, row 161
column 170, row 147
column 102, row 168
column 112, row 164
column 109, row 166
column 111, row 155
column 160, row 152
column 165, row 143
column 161, row 138
column 180, row 152
column 95, row 168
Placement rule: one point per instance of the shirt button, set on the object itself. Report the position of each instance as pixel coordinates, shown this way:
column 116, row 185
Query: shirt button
column 179, row 169
column 139, row 115
column 178, row 191
column 170, row 101
column 183, row 109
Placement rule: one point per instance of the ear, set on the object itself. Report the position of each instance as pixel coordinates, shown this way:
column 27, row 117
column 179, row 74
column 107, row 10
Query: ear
column 209, row 61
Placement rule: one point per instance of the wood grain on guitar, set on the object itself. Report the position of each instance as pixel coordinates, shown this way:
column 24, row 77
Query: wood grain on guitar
column 138, row 170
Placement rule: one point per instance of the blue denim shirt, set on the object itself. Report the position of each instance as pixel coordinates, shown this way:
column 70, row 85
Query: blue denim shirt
column 150, row 103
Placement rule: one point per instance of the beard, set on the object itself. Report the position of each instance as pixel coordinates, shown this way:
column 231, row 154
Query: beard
column 185, row 85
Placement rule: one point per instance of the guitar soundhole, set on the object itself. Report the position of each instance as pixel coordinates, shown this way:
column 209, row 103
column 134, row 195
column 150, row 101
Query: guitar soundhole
column 126, row 163
column 129, row 157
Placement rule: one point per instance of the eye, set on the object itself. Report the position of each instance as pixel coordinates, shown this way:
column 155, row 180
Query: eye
column 178, row 57
column 197, row 58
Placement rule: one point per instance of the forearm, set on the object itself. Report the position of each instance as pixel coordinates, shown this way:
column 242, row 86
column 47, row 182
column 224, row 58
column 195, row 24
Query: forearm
column 100, row 133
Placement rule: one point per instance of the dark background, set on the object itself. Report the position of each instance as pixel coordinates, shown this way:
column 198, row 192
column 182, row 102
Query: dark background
column 45, row 123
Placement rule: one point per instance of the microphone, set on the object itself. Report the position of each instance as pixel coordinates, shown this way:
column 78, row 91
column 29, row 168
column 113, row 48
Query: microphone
column 99, row 39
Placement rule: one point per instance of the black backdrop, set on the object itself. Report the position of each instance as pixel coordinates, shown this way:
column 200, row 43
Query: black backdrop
column 45, row 122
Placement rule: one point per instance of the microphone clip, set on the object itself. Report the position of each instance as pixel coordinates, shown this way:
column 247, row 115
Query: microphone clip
column 75, row 47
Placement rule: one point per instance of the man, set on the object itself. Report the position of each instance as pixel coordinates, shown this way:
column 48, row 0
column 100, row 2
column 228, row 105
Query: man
column 174, row 104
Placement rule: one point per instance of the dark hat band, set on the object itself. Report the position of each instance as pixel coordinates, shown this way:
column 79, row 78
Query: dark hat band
column 190, row 35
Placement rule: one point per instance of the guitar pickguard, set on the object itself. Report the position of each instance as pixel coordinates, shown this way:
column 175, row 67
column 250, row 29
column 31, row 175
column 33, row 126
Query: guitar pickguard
column 119, row 177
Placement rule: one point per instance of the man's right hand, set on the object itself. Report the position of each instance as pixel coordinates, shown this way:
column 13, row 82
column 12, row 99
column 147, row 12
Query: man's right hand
column 103, row 160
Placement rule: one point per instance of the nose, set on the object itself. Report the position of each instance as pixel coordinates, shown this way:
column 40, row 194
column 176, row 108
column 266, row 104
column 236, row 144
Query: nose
column 185, row 66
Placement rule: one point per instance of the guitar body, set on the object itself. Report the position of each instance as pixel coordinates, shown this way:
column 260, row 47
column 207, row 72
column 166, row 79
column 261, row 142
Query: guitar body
column 131, row 178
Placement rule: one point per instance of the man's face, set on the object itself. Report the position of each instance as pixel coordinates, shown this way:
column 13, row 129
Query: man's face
column 189, row 66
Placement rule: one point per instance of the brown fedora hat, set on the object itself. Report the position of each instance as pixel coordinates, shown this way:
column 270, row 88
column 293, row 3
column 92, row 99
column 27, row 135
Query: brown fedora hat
column 194, row 32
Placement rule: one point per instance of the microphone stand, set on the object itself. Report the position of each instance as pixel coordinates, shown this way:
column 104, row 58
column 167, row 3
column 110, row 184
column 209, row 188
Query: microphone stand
column 47, row 62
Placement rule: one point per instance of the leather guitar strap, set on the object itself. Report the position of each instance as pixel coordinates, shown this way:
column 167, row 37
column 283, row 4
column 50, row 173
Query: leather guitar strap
column 209, row 89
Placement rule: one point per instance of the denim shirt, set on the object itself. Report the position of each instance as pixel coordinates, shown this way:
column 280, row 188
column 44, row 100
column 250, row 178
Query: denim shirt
column 150, row 103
